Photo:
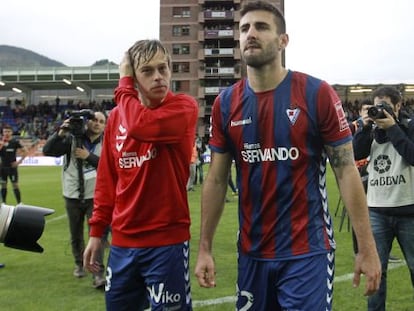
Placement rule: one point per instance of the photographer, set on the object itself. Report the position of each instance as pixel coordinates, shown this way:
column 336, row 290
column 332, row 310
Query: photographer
column 387, row 138
column 81, row 149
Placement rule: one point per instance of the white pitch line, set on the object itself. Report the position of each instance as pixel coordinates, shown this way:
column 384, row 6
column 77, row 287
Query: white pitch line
column 216, row 301
column 55, row 218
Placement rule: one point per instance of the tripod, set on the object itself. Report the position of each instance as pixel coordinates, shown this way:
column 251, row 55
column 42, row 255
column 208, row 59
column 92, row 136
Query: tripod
column 344, row 215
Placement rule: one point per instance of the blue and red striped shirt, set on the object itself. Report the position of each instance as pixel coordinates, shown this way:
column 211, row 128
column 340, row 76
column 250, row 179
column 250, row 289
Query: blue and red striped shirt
column 277, row 139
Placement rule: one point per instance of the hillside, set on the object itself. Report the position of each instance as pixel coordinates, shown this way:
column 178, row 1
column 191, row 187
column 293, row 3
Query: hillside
column 11, row 56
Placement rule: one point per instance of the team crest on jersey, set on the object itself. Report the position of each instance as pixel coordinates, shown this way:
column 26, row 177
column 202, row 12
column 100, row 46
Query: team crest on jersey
column 293, row 115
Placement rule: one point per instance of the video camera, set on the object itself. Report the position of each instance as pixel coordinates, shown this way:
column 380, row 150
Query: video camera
column 22, row 225
column 77, row 121
column 377, row 111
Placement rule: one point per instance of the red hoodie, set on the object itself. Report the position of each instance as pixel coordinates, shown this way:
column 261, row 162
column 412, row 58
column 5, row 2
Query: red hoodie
column 143, row 170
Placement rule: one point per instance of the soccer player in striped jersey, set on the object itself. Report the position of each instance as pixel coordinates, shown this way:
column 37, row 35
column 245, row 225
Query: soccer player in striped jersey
column 281, row 126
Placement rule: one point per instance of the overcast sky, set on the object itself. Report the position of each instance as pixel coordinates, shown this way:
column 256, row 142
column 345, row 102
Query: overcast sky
column 340, row 41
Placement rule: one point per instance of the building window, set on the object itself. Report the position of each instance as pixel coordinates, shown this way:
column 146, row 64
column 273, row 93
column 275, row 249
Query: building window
column 181, row 67
column 180, row 49
column 181, row 12
column 181, row 30
column 180, row 86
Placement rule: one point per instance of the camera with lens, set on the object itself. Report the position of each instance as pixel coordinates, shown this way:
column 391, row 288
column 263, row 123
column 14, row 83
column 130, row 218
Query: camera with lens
column 377, row 111
column 77, row 121
column 22, row 225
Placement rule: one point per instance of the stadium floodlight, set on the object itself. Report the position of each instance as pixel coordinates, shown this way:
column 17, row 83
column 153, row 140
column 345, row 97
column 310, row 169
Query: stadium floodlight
column 2, row 83
column 17, row 90
column 68, row 82
column 360, row 90
column 80, row 89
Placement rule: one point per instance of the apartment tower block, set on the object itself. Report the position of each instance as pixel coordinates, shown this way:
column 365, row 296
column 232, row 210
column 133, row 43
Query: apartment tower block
column 202, row 36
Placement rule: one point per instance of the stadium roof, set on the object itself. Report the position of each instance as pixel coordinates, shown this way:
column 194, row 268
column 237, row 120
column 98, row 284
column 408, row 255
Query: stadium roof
column 107, row 76
column 52, row 78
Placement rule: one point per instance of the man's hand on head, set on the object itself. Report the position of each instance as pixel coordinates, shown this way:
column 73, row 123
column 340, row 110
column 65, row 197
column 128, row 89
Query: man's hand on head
column 125, row 67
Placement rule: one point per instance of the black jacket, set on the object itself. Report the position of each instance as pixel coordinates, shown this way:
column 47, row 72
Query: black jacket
column 57, row 146
column 401, row 135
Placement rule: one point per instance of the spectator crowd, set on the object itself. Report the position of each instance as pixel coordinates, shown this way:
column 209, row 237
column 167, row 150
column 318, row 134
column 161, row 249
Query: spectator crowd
column 38, row 121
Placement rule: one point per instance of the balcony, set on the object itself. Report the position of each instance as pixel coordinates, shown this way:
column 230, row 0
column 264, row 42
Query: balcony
column 226, row 72
column 219, row 52
column 218, row 33
column 204, row 91
column 213, row 90
column 208, row 14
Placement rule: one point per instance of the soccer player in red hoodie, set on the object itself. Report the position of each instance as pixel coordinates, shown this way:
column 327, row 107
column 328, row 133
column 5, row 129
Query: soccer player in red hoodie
column 141, row 186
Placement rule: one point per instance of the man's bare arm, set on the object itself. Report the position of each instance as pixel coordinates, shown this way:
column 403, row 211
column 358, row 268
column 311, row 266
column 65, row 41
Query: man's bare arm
column 353, row 195
column 212, row 205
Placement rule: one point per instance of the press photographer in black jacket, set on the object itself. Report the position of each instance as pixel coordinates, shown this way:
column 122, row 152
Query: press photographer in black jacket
column 79, row 139
column 387, row 138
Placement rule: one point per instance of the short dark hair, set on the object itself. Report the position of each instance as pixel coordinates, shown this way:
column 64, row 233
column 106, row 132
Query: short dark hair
column 103, row 113
column 365, row 102
column 268, row 7
column 388, row 91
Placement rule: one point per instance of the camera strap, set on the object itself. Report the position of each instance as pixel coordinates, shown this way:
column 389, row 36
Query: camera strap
column 81, row 180
column 90, row 146
column 79, row 162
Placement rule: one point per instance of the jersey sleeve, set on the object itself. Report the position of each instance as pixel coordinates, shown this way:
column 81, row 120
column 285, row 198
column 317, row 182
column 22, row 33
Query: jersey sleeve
column 217, row 140
column 19, row 144
column 333, row 124
column 105, row 189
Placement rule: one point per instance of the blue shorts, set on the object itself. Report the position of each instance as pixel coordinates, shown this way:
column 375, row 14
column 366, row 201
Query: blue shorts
column 289, row 285
column 141, row 277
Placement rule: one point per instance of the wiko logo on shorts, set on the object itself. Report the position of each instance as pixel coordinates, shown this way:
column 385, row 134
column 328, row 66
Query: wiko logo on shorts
column 158, row 295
